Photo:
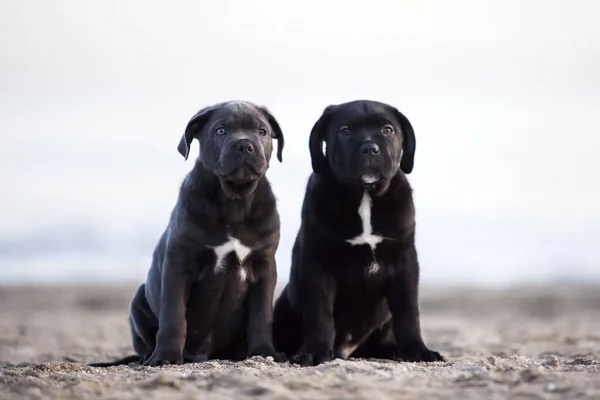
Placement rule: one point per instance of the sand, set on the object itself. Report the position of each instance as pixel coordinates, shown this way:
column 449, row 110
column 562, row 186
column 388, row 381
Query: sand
column 522, row 343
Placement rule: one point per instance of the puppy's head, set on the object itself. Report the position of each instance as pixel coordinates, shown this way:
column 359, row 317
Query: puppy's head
column 236, row 142
column 366, row 142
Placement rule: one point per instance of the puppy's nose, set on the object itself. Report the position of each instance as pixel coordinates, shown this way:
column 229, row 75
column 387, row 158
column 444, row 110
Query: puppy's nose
column 244, row 146
column 369, row 148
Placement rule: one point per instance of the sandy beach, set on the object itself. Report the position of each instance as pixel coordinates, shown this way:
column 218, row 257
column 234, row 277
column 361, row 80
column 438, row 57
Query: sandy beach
column 520, row 343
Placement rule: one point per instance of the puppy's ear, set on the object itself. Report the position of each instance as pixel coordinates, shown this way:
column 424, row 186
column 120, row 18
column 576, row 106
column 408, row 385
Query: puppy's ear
column 277, row 129
column 194, row 127
column 317, row 136
column 409, row 143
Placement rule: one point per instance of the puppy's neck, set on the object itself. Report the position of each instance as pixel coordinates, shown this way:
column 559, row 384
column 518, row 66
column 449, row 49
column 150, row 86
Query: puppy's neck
column 357, row 190
column 397, row 185
column 204, row 185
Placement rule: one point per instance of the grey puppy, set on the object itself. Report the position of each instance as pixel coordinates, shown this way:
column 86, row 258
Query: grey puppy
column 209, row 291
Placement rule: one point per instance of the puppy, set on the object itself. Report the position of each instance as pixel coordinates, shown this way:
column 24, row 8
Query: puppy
column 353, row 288
column 209, row 291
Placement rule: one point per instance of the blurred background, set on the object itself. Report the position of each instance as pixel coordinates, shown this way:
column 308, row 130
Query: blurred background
column 503, row 95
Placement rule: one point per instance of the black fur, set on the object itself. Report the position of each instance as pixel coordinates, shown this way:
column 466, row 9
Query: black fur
column 187, row 311
column 332, row 303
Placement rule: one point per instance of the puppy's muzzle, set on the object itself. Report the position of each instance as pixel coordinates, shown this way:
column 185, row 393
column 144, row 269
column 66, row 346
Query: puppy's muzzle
column 242, row 161
column 371, row 154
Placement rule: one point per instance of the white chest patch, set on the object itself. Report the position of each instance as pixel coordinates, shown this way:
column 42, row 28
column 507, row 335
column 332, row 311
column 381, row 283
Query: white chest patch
column 367, row 237
column 241, row 252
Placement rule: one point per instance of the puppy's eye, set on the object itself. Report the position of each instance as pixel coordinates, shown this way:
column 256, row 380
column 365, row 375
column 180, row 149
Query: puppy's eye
column 220, row 131
column 262, row 132
column 344, row 130
column 388, row 129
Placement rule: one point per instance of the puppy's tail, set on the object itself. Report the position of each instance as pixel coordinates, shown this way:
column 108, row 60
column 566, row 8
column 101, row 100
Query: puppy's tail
column 122, row 361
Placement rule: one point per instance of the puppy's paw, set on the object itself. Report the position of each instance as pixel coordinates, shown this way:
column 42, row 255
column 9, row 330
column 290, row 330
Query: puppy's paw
column 268, row 351
column 310, row 360
column 195, row 358
column 436, row 356
column 277, row 357
column 280, row 357
column 159, row 358
column 419, row 354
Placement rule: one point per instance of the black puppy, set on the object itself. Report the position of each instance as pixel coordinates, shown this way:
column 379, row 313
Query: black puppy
column 353, row 288
column 209, row 291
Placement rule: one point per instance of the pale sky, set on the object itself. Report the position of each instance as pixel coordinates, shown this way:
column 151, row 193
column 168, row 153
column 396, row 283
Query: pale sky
column 503, row 95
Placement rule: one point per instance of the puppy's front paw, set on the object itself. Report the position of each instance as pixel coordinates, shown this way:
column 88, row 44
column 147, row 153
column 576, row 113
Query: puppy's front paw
column 435, row 356
column 419, row 354
column 280, row 357
column 268, row 351
column 195, row 358
column 161, row 357
column 310, row 360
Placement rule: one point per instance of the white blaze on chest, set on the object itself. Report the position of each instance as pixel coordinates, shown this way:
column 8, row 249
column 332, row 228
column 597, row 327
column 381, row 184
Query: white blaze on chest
column 367, row 237
column 232, row 245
